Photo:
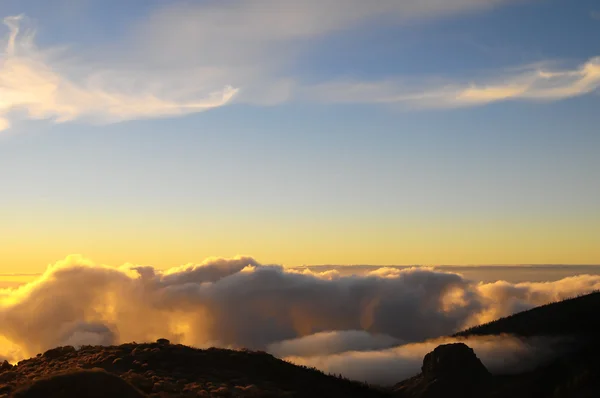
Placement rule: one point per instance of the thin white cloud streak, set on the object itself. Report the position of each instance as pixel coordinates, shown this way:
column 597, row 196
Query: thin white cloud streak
column 333, row 342
column 255, row 43
column 534, row 85
column 240, row 303
column 247, row 26
column 31, row 81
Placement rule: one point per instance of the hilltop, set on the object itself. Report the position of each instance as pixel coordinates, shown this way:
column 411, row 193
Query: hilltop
column 162, row 369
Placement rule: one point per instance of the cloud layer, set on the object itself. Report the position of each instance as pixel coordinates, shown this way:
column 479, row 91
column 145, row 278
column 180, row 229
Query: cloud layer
column 241, row 303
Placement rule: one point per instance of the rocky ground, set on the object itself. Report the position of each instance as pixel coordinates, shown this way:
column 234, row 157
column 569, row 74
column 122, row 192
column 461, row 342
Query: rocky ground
column 162, row 369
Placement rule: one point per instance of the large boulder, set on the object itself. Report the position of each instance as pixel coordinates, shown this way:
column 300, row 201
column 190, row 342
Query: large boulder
column 456, row 360
column 451, row 370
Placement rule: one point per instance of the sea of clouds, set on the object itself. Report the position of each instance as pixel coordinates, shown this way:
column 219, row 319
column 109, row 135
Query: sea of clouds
column 373, row 327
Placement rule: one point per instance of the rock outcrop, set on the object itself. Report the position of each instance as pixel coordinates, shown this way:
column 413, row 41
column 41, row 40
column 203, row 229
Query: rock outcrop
column 449, row 370
column 456, row 361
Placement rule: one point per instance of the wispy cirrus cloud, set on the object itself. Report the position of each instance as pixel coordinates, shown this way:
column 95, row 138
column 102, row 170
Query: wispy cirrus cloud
column 190, row 57
column 533, row 84
column 186, row 58
column 266, row 36
column 38, row 83
column 255, row 44
column 242, row 28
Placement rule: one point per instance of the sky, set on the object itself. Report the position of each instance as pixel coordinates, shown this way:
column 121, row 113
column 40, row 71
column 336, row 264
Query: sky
column 316, row 132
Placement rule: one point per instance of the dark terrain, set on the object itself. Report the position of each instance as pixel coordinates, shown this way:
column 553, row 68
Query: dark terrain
column 162, row 369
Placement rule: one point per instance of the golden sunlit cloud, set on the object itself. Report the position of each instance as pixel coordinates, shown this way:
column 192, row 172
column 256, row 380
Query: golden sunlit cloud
column 239, row 302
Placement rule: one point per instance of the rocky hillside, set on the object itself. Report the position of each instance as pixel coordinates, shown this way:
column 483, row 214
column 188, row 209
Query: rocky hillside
column 162, row 369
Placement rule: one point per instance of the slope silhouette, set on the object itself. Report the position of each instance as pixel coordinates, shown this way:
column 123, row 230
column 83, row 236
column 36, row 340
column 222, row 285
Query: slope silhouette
column 162, row 369
column 575, row 316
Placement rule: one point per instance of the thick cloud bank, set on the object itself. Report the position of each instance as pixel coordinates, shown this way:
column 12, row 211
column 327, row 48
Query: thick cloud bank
column 241, row 303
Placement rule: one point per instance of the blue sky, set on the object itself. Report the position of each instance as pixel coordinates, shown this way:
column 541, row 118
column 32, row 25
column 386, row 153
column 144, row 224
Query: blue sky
column 331, row 127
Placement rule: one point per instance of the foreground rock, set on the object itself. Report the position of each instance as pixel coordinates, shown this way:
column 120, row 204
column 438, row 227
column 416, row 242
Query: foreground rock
column 162, row 369
column 451, row 370
column 95, row 383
